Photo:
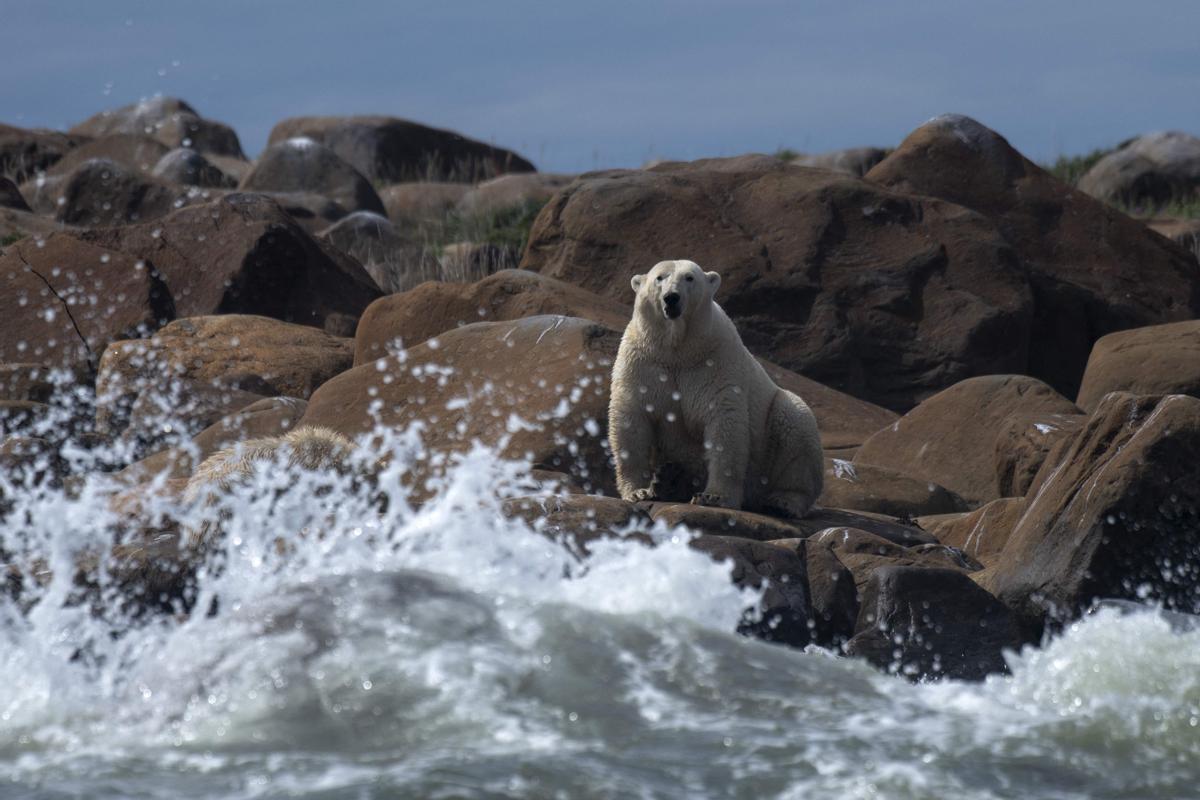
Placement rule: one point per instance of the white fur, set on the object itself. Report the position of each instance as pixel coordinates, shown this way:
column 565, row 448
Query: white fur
column 686, row 391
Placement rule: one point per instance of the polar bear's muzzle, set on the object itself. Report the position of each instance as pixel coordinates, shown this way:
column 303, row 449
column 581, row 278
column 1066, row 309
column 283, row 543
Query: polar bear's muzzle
column 672, row 305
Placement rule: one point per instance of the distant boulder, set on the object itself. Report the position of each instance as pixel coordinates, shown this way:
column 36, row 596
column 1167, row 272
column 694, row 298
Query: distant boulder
column 1149, row 171
column 189, row 168
column 167, row 119
column 24, row 152
column 303, row 165
column 855, row 161
column 135, row 151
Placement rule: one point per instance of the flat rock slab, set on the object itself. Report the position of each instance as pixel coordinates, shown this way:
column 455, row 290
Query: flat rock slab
column 1160, row 359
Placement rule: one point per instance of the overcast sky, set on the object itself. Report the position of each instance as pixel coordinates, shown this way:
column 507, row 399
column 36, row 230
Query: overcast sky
column 581, row 85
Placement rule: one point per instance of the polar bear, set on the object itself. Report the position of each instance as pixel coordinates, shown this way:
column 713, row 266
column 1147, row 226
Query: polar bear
column 687, row 394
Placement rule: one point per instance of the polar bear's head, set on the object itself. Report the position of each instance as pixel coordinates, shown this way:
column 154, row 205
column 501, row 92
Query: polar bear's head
column 674, row 290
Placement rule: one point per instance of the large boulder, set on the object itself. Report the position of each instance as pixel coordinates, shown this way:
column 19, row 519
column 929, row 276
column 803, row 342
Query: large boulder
column 1093, row 270
column 950, row 439
column 864, row 552
column 66, row 299
column 1117, row 517
column 982, row 533
column 885, row 296
column 511, row 191
column 433, row 308
column 390, row 150
column 764, row 528
column 10, row 196
column 422, row 204
column 880, row 490
column 103, row 193
column 167, row 119
column 134, row 151
column 1160, row 359
column 25, row 152
column 303, row 165
column 393, row 261
column 189, row 168
column 242, row 254
column 932, row 623
column 1024, row 441
column 1150, row 170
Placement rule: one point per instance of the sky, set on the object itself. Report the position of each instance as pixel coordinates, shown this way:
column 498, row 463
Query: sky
column 579, row 85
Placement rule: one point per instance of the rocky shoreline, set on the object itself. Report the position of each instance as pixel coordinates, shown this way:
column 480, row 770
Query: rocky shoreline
column 1005, row 369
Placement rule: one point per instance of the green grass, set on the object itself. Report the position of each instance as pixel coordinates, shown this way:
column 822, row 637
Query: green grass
column 508, row 228
column 786, row 154
column 11, row 238
column 1069, row 169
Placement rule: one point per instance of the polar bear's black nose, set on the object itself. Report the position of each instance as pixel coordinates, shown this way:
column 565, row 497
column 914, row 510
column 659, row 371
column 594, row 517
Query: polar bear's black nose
column 671, row 299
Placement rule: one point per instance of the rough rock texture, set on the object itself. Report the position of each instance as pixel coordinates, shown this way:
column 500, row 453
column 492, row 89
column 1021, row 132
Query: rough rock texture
column 26, row 382
column 185, row 166
column 10, row 196
column 1149, row 170
column 1023, row 442
column 884, row 296
column 1118, row 516
column 395, row 263
column 856, row 161
column 102, row 193
column 24, row 152
column 511, row 191
column 932, row 623
column 982, row 533
column 537, row 385
column 868, row 487
column 1093, row 270
column 393, row 150
column 67, row 299
column 133, row 151
column 169, row 120
column 865, row 551
column 764, row 528
column 302, row 165
column 433, row 308
column 242, row 254
column 1161, row 359
column 417, row 204
column 786, row 612
column 950, row 439
column 831, row 592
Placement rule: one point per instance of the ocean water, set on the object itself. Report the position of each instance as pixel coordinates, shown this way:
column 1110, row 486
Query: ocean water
column 446, row 651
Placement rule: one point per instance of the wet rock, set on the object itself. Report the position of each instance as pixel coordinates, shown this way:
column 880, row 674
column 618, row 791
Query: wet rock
column 1147, row 171
column 390, row 150
column 1092, row 269
column 1117, row 517
column 1160, row 359
column 856, row 161
column 867, row 487
column 886, row 296
column 26, row 382
column 167, row 119
column 10, row 196
column 20, row 417
column 1023, row 443
column 932, row 623
column 102, row 193
column 761, row 527
column 303, row 165
column 950, row 439
column 577, row 519
column 863, row 552
column 241, row 254
column 831, row 591
column 24, row 152
column 185, row 166
column 786, row 614
column 156, row 417
column 982, row 533
column 28, row 460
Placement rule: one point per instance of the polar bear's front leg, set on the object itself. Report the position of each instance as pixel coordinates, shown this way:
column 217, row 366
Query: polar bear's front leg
column 727, row 456
column 632, row 444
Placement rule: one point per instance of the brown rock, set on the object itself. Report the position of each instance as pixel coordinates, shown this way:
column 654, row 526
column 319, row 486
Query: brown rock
column 421, row 204
column 577, row 519
column 393, row 150
column 1160, row 359
column 102, row 193
column 511, row 191
column 303, row 165
column 1118, row 517
column 26, row 382
column 10, row 196
column 67, row 299
column 314, row 212
column 950, row 439
column 831, row 591
column 135, row 152
column 169, row 120
column 395, row 263
column 1093, row 270
column 932, row 623
column 863, row 552
column 463, row 262
column 885, row 296
column 241, row 254
column 21, row 417
column 189, row 168
column 867, row 487
column 1023, row 443
column 982, row 533
column 25, row 152
column 763, row 528
column 159, row 416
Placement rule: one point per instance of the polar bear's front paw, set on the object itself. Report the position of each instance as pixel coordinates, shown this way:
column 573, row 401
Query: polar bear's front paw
column 641, row 495
column 709, row 499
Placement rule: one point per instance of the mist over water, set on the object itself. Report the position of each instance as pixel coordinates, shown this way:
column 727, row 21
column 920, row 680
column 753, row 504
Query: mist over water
column 447, row 650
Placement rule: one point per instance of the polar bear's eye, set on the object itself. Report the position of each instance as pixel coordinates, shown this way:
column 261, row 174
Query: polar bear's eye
column 690, row 278
column 659, row 279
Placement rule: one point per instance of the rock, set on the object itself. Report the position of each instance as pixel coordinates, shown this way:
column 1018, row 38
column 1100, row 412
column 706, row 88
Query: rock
column 314, row 212
column 863, row 552
column 950, row 439
column 1093, row 270
column 69, row 298
column 10, row 196
column 25, row 152
column 1160, row 359
column 101, row 193
column 763, row 528
column 32, row 382
column 16, row 225
column 422, row 204
column 167, row 119
column 463, row 262
column 302, row 165
column 241, row 254
column 233, row 351
column 185, row 166
column 433, row 308
column 867, row 487
column 395, row 263
column 28, row 460
column 786, row 614
column 1150, row 170
column 135, row 152
column 535, row 387
column 831, row 593
column 162, row 415
column 1117, row 517
column 856, row 161
column 577, row 519
column 511, row 191
column 982, row 533
column 1023, row 443
column 885, row 296
column 932, row 623
column 390, row 150
column 21, row 417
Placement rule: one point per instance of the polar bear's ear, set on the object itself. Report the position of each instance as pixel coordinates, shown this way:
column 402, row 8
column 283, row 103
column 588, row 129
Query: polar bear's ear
column 637, row 282
column 714, row 280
